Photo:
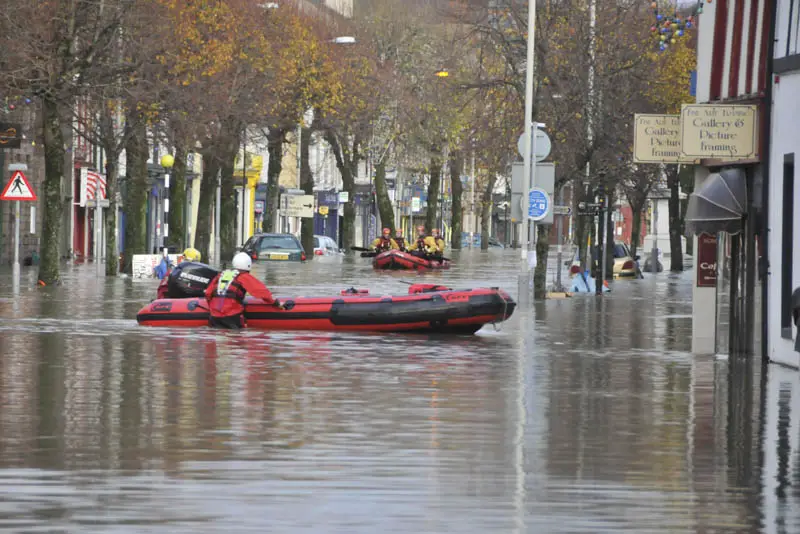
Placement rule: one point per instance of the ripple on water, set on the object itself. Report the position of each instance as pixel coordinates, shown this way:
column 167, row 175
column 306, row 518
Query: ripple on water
column 577, row 415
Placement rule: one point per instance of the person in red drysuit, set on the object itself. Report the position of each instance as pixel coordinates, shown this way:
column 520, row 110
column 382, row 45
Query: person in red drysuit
column 225, row 294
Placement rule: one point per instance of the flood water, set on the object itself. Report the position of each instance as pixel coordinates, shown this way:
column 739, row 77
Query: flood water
column 579, row 415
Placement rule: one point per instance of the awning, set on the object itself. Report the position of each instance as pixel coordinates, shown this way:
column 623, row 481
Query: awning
column 719, row 204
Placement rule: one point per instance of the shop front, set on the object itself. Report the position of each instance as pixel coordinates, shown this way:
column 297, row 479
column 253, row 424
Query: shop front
column 326, row 214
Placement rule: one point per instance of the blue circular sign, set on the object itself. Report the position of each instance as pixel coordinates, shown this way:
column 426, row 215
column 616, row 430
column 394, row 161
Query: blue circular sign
column 538, row 204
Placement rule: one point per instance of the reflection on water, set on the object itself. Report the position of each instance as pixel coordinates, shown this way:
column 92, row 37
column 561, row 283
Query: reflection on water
column 579, row 415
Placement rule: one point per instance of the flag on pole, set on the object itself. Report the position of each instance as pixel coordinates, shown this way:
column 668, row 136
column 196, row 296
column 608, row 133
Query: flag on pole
column 92, row 187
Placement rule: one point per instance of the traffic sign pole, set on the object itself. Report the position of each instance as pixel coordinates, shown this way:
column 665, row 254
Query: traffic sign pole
column 17, row 189
column 15, row 269
column 530, row 140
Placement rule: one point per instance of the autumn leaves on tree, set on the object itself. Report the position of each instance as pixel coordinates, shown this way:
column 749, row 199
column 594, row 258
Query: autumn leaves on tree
column 428, row 86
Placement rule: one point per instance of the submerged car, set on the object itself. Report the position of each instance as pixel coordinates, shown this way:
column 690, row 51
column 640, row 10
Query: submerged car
column 275, row 247
column 624, row 263
column 325, row 246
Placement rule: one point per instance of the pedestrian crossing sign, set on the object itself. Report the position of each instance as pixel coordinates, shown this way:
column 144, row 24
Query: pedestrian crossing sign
column 18, row 188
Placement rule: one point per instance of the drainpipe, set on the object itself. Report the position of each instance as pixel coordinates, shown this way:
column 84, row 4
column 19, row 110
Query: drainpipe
column 764, row 237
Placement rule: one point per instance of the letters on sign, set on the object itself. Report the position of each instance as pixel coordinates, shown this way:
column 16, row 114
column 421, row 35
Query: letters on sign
column 706, row 260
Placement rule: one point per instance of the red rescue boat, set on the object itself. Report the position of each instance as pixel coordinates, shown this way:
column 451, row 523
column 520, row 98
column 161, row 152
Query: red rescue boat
column 397, row 259
column 427, row 308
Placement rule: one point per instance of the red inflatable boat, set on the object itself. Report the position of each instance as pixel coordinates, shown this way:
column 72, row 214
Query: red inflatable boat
column 396, row 259
column 427, row 308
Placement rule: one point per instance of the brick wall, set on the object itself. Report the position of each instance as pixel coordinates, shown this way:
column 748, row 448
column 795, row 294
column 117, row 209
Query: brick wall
column 31, row 153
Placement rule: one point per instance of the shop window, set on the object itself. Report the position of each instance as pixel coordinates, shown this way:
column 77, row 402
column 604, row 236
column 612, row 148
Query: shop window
column 787, row 246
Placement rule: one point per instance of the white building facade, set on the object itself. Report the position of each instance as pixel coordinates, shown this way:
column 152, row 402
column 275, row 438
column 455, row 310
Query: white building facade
column 732, row 68
column 784, row 189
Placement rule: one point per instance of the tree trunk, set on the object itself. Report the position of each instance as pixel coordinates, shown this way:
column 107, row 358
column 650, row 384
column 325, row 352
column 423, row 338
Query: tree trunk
column 636, row 230
column 348, row 232
column 457, row 188
column 610, row 240
column 227, row 216
column 382, row 192
column 54, row 168
column 582, row 226
column 686, row 178
column 113, row 149
column 177, row 198
column 675, row 248
column 205, row 204
column 112, row 170
column 486, row 211
column 307, row 185
column 135, row 204
column 346, row 162
column 540, row 272
column 275, row 150
column 434, row 185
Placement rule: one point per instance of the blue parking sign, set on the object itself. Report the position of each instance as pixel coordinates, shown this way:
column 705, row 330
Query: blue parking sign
column 538, row 204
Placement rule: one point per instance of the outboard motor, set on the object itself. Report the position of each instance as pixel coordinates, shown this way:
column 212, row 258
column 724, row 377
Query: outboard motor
column 189, row 279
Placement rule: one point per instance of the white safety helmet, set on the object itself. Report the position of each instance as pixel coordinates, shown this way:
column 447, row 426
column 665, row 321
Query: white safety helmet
column 242, row 262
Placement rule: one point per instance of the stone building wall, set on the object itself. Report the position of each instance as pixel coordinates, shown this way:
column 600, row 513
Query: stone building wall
column 32, row 154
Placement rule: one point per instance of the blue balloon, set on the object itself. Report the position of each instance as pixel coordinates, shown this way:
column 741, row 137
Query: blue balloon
column 680, row 33
column 688, row 25
column 659, row 17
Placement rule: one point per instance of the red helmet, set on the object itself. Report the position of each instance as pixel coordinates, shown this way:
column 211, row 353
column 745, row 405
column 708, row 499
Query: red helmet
column 386, row 231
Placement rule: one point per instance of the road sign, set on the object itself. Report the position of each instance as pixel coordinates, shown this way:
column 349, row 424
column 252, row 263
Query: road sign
column 297, row 206
column 344, row 196
column 562, row 210
column 10, row 135
column 18, row 188
column 589, row 208
column 543, row 145
column 538, row 204
column 323, row 210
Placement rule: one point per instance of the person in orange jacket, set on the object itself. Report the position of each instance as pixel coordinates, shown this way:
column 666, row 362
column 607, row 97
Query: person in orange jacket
column 225, row 294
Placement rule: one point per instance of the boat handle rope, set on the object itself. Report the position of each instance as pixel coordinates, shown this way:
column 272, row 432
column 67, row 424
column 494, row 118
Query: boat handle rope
column 505, row 310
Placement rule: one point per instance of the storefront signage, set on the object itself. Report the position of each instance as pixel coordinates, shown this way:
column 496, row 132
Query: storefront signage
column 706, row 266
column 657, row 139
column 328, row 198
column 724, row 132
column 10, row 135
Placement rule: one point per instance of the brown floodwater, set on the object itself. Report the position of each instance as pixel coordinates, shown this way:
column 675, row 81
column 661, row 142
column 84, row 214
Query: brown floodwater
column 579, row 415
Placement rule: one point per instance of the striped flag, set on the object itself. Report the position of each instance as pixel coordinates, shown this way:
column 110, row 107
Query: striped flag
column 95, row 186
column 92, row 186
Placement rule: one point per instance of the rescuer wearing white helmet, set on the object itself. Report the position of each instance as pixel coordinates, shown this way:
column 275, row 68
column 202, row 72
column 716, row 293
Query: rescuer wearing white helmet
column 225, row 294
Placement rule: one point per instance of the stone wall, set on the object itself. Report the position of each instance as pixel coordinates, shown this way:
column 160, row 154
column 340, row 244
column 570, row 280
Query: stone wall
column 32, row 154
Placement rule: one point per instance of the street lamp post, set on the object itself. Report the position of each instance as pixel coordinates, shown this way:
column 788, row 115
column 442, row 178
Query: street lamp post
column 473, row 210
column 167, row 161
column 530, row 139
column 244, row 182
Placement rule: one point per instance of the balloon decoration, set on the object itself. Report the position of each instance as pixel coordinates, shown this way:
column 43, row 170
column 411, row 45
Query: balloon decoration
column 669, row 25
